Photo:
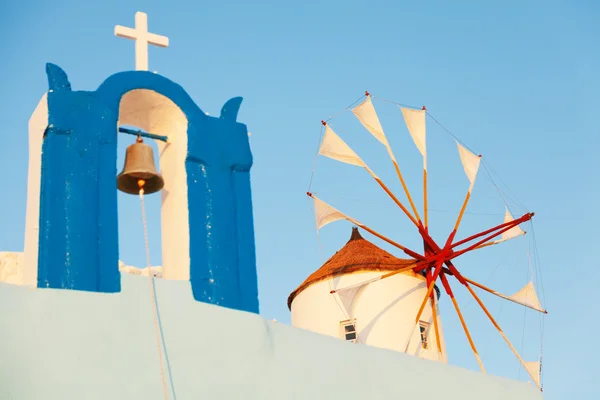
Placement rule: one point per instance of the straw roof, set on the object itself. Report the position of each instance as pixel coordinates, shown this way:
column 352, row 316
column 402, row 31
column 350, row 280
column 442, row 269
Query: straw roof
column 358, row 255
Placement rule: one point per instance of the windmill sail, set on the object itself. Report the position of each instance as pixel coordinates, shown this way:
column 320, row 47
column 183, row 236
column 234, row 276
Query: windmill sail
column 350, row 294
column 415, row 123
column 527, row 297
column 366, row 114
column 512, row 233
column 470, row 163
column 533, row 368
column 335, row 148
column 326, row 214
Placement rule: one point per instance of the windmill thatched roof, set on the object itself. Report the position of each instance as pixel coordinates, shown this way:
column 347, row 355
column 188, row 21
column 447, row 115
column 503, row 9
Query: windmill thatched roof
column 358, row 255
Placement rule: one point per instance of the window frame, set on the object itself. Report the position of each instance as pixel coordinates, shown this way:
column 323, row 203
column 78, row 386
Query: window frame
column 424, row 334
column 344, row 333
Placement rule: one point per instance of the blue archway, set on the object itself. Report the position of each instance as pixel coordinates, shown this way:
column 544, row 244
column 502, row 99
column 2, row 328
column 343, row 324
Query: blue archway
column 78, row 204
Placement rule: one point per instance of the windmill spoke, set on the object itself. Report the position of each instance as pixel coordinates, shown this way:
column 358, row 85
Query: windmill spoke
column 435, row 323
column 390, row 241
column 493, row 235
column 438, row 268
column 485, row 310
column 510, row 224
column 425, row 210
column 408, row 196
column 459, row 219
column 462, row 320
column 393, row 197
column 404, row 269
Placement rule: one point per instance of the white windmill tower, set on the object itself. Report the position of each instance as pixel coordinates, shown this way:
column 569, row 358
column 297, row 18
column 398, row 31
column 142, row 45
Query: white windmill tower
column 372, row 314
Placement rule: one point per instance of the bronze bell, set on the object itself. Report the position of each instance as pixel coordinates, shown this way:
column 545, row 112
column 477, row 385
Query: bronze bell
column 139, row 166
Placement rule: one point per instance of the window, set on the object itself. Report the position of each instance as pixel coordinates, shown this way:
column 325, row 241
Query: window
column 349, row 330
column 424, row 330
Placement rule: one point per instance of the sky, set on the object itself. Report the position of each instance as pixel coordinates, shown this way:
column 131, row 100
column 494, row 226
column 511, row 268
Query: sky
column 515, row 81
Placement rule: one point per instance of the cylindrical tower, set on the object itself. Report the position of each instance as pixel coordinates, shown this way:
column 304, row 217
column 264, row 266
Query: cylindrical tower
column 380, row 314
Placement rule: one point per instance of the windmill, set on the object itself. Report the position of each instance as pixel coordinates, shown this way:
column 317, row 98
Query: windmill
column 438, row 260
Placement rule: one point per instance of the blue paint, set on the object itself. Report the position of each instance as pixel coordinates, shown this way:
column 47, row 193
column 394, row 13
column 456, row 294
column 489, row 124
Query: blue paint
column 223, row 263
column 78, row 205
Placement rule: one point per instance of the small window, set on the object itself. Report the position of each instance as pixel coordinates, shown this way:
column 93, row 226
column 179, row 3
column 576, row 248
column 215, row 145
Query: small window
column 349, row 330
column 424, row 328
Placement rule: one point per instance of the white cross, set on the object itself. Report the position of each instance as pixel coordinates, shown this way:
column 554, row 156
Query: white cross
column 142, row 38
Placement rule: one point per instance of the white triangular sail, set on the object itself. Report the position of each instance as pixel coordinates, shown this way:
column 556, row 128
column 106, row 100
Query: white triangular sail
column 533, row 368
column 512, row 232
column 366, row 114
column 527, row 297
column 415, row 123
column 326, row 214
column 470, row 163
column 350, row 294
column 334, row 147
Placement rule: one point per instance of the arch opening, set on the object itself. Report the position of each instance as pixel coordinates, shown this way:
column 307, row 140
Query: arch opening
column 153, row 112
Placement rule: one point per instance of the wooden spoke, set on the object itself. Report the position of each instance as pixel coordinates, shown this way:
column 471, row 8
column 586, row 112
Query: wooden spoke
column 486, row 239
column 462, row 320
column 512, row 224
column 412, row 204
column 438, row 269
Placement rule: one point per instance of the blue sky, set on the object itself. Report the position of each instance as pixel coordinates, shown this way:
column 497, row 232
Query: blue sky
column 516, row 82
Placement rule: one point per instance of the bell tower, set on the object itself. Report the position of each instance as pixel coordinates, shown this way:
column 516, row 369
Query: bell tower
column 71, row 229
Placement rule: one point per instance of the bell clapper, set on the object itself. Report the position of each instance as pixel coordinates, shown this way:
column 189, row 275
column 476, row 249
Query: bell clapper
column 141, row 184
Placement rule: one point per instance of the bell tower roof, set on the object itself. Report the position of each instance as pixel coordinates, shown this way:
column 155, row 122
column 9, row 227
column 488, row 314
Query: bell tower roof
column 357, row 255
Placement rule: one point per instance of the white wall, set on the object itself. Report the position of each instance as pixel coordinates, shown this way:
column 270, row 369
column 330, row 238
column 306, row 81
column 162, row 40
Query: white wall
column 66, row 344
column 11, row 267
column 38, row 122
column 385, row 312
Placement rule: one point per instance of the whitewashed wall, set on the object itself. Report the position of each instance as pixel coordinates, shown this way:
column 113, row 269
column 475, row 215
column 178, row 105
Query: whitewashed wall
column 385, row 312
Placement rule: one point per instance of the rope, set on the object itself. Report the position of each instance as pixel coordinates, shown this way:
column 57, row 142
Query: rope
column 396, row 103
column 312, row 174
column 345, row 109
column 152, row 291
column 335, row 298
column 382, row 204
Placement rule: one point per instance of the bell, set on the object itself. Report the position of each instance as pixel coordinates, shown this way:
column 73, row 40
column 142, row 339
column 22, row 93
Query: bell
column 139, row 170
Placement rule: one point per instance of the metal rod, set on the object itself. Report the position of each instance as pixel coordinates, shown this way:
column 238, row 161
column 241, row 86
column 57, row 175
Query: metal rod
column 143, row 134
